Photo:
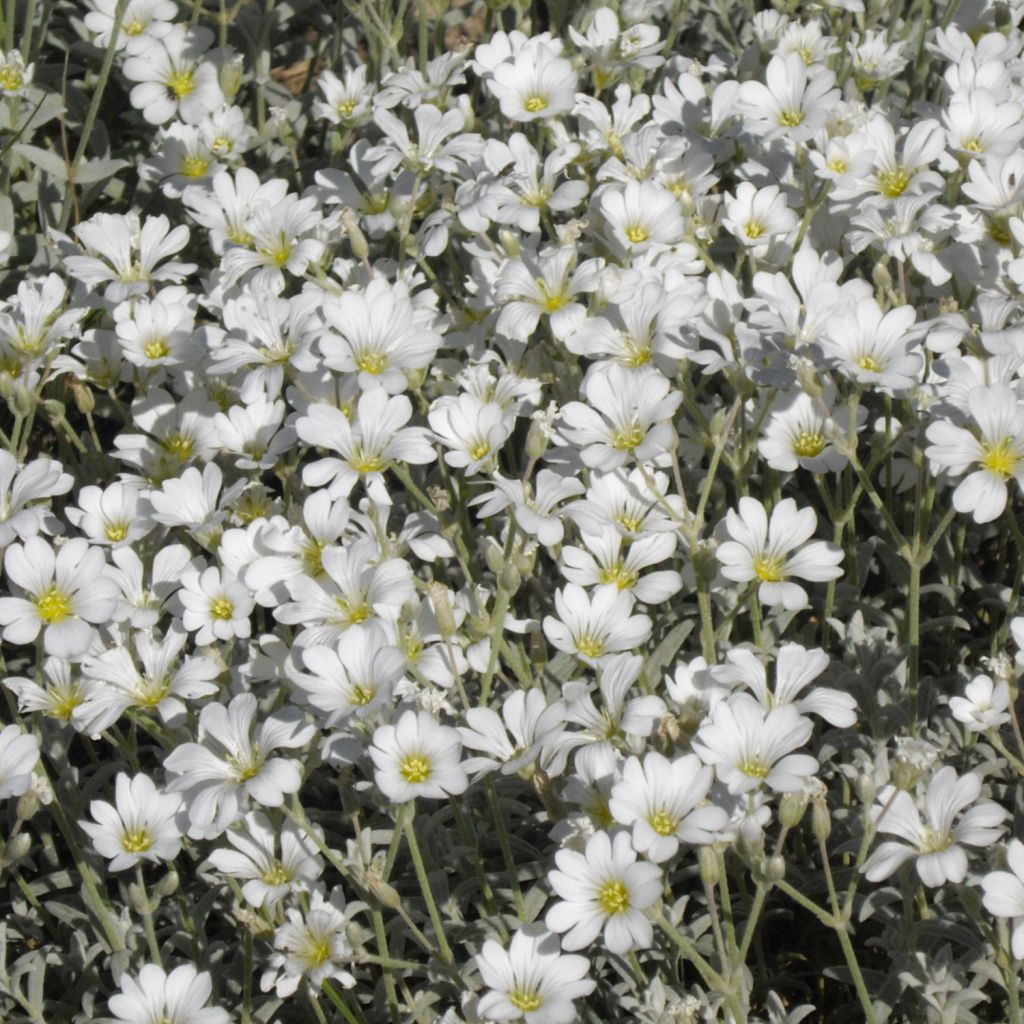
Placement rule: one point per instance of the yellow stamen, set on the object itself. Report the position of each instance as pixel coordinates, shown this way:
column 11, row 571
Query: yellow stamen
column 415, row 768
column 590, row 645
column 137, row 842
column 222, row 608
column 535, row 104
column 613, row 898
column 156, row 349
column 1000, row 458
column 181, row 83
column 663, row 823
column 894, row 182
column 53, row 605
column 769, row 568
column 525, row 1000
column 637, row 234
column 791, row 118
column 807, row 445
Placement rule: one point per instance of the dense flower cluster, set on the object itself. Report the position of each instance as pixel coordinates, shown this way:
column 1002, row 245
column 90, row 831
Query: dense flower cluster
column 512, row 513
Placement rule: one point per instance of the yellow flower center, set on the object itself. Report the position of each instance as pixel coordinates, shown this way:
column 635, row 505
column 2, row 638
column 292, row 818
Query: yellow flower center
column 63, row 706
column 590, row 645
column 277, row 874
column 973, row 146
column 362, row 695
column 613, row 898
column 934, row 842
column 279, row 255
column 480, row 450
column 755, row 768
column 376, row 202
column 11, row 79
column 135, row 27
column 808, row 445
column 535, row 104
column 53, row 605
column 366, row 462
column 222, row 608
column 894, row 182
column 180, row 445
column 156, row 349
column 618, row 574
column 117, row 532
column 137, row 842
column 1000, row 458
column 372, row 362
column 631, row 524
column 754, row 229
column 637, row 234
column 181, row 83
column 312, row 558
column 551, row 301
column 346, row 107
column 152, row 691
column 636, row 354
column 870, row 363
column 195, row 166
column 354, row 613
column 839, row 166
column 769, row 568
column 239, row 236
column 791, row 118
column 319, row 952
column 415, row 768
column 525, row 1000
column 663, row 823
column 627, row 438
column 999, row 229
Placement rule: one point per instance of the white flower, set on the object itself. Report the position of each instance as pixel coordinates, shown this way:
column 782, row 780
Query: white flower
column 64, row 593
column 639, row 216
column 312, row 946
column 983, row 705
column 593, row 626
column 142, row 825
column 661, row 801
column 232, row 763
column 417, row 757
column 773, row 550
column 1004, row 893
column 141, row 18
column 750, row 747
column 268, row 876
column 795, row 102
column 876, row 348
column 19, row 753
column 758, row 217
column 604, row 889
column 215, row 605
column 799, row 434
column 535, row 84
column 473, row 431
column 933, row 842
column 532, row 980
column 176, row 998
column 998, row 454
column 19, row 487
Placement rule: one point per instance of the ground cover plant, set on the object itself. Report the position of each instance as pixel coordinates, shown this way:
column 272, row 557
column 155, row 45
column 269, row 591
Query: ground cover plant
column 511, row 511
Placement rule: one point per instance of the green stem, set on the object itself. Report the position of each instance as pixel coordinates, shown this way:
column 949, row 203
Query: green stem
column 506, row 848
column 406, row 814
column 146, row 912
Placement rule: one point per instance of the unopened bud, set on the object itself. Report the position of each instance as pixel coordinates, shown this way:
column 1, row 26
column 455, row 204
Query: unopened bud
column 28, row 804
column 16, row 848
column 416, row 377
column 494, row 556
column 383, row 893
column 54, row 409
column 356, row 238
column 509, row 578
column 707, row 858
column 22, row 400
column 774, row 868
column 791, row 809
column 438, row 594
column 881, row 276
column 231, row 73
column 510, row 242
column 821, row 820
column 537, row 438
column 85, row 400
column 905, row 775
column 167, row 886
column 865, row 788
column 807, row 375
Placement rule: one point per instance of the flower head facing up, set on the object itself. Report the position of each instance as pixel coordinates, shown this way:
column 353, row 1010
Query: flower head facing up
column 418, row 757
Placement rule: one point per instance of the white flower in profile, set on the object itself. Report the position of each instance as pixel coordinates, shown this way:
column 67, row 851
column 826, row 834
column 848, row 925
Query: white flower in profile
column 471, row 429
column 775, row 550
column 176, row 998
column 535, row 505
column 1004, row 894
column 536, row 84
column 527, row 716
column 661, row 801
column 20, row 487
column 141, row 825
column 128, row 253
column 751, row 747
column 640, row 215
column 225, row 205
column 311, row 946
column 268, row 875
column 377, row 333
column 995, row 448
column 64, row 593
column 233, row 763
column 796, row 668
column 794, row 102
column 980, row 124
column 418, row 757
column 173, row 79
column 604, row 889
column 19, row 753
column 532, row 980
column 35, row 323
column 595, row 625
column 933, row 841
column 983, row 705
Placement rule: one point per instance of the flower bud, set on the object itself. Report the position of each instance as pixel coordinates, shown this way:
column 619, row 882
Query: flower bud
column 168, row 885
column 15, row 849
column 881, row 276
column 791, row 809
column 510, row 242
column 85, row 400
column 707, row 858
column 28, row 804
column 438, row 594
column 356, row 238
column 865, row 788
column 821, row 820
column 231, row 73
column 510, row 578
column 774, row 868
